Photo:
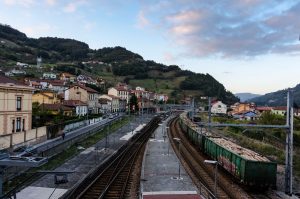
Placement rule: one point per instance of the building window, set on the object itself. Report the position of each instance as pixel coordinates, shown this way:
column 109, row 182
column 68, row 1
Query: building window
column 18, row 128
column 13, row 126
column 23, row 125
column 19, row 103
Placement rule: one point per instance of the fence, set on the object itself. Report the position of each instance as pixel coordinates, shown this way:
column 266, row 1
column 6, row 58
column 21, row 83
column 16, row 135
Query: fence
column 23, row 138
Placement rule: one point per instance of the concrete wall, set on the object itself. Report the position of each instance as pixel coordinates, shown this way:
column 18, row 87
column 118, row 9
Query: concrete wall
column 11, row 140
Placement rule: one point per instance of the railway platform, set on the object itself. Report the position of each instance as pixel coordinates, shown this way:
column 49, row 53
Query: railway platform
column 82, row 163
column 161, row 175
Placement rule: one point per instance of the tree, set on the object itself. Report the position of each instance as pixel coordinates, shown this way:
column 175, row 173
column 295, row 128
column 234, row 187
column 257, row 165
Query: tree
column 133, row 103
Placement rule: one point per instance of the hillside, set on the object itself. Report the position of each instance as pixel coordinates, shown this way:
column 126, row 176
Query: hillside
column 112, row 64
column 277, row 98
column 246, row 96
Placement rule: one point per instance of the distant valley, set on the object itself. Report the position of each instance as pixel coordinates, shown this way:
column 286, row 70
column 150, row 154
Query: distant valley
column 246, row 96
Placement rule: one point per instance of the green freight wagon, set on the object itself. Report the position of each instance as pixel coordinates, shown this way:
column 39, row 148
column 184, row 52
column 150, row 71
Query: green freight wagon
column 196, row 138
column 249, row 167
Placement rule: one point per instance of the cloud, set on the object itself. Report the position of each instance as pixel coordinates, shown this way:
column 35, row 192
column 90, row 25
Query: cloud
column 24, row 3
column 169, row 57
column 142, row 21
column 51, row 2
column 89, row 26
column 73, row 6
column 227, row 29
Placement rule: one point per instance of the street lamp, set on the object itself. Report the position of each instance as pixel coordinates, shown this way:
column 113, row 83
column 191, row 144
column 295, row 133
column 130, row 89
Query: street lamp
column 161, row 125
column 216, row 172
column 168, row 142
column 165, row 133
column 179, row 143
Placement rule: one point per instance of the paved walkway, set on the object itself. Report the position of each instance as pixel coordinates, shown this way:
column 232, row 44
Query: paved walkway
column 161, row 175
column 81, row 164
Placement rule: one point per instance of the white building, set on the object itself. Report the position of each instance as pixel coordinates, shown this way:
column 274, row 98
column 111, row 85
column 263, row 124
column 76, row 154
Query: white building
column 219, row 108
column 49, row 76
column 80, row 108
column 120, row 92
column 115, row 103
column 39, row 62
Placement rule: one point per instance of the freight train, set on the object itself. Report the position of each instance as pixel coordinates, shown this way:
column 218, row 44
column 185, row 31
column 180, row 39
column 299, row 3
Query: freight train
column 248, row 167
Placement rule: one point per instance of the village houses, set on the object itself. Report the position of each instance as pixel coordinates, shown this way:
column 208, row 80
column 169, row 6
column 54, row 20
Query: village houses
column 84, row 94
column 218, row 108
column 45, row 97
column 115, row 106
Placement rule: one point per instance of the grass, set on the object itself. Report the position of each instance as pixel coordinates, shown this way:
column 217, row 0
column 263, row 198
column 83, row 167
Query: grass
column 65, row 155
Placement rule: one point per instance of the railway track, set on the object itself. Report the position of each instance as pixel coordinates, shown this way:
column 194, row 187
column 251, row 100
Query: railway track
column 201, row 173
column 113, row 179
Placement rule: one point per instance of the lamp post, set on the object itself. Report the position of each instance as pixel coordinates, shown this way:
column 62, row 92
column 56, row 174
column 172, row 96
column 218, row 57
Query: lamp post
column 179, row 143
column 216, row 172
column 168, row 142
column 164, row 134
column 161, row 125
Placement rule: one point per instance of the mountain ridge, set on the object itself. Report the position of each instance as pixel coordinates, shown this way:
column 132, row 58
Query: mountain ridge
column 278, row 98
column 246, row 96
column 112, row 64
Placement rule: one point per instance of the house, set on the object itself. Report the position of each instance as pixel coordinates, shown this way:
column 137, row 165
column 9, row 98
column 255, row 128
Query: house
column 49, row 76
column 246, row 115
column 115, row 107
column 139, row 88
column 279, row 110
column 121, row 92
column 56, row 109
column 241, row 107
column 122, row 105
column 45, row 97
column 16, row 115
column 105, row 105
column 143, row 103
column 15, row 106
column 58, row 86
column 262, row 109
column 15, row 72
column 84, row 94
column 86, row 80
column 79, row 108
column 218, row 108
column 67, row 77
column 36, row 85
column 24, row 65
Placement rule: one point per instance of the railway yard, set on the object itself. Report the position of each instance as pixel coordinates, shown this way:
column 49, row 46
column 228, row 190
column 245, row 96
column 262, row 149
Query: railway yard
column 166, row 157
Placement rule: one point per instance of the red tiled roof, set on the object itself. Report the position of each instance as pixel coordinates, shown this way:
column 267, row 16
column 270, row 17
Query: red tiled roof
column 120, row 88
column 103, row 100
column 88, row 89
column 263, row 108
column 55, row 107
column 67, row 74
column 280, row 108
column 74, row 103
column 5, row 80
column 113, row 97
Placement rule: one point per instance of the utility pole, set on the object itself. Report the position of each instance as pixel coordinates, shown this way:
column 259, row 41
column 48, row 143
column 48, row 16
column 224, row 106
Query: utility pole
column 289, row 126
column 209, row 112
column 289, row 145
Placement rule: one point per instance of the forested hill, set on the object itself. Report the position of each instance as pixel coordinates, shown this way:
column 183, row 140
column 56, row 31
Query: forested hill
column 278, row 98
column 112, row 64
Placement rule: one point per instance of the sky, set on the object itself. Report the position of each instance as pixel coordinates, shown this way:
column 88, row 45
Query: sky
column 247, row 45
